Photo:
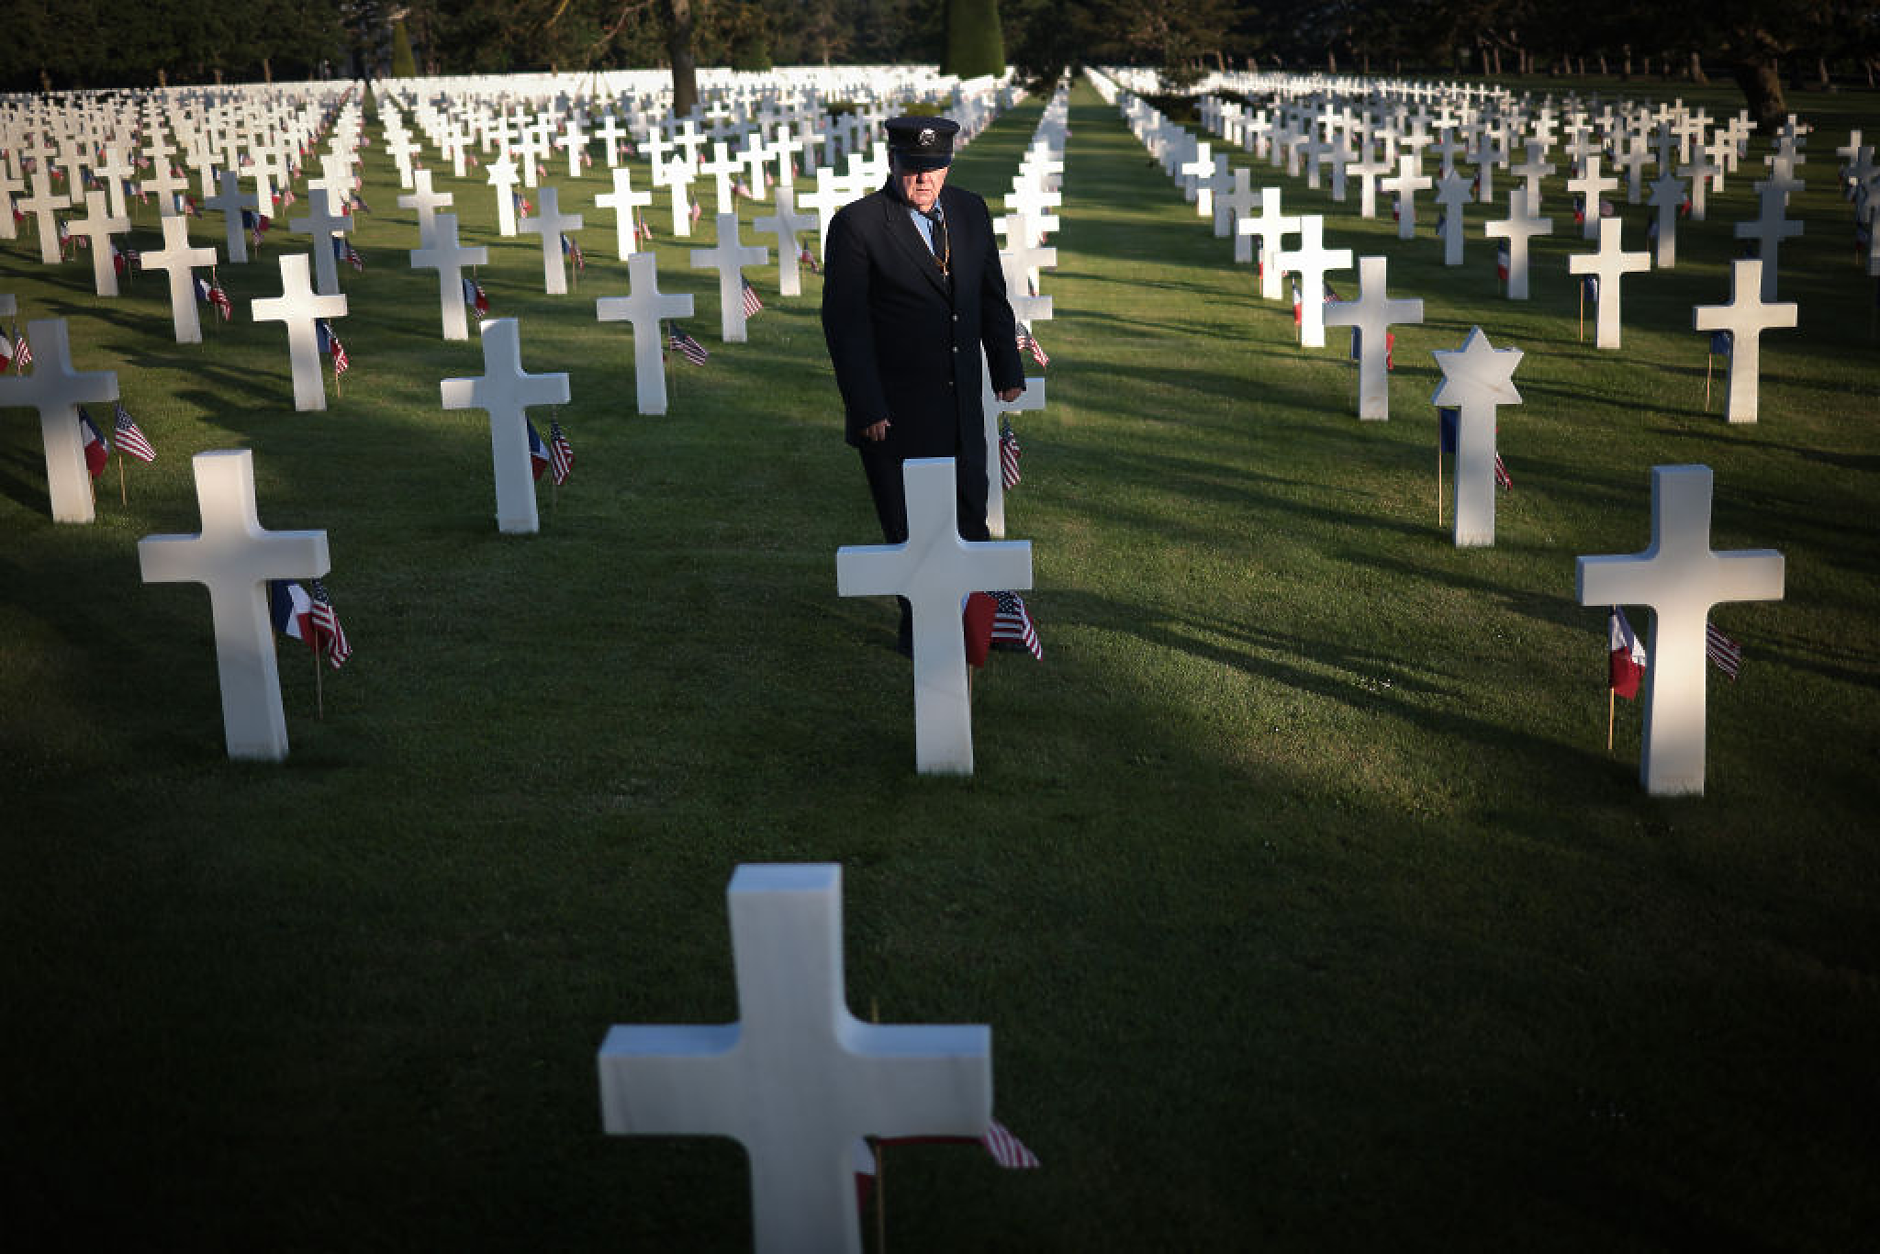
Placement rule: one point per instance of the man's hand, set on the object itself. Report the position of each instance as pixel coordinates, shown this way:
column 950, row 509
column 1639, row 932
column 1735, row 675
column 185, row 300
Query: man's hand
column 876, row 432
column 1010, row 394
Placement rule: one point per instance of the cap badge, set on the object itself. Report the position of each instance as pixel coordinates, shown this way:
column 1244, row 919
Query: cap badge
column 927, row 137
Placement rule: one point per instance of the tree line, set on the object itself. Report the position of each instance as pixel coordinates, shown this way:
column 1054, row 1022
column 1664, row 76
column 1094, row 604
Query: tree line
column 1761, row 45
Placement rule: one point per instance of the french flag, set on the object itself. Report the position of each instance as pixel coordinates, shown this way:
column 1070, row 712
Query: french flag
column 97, row 452
column 291, row 609
column 538, row 451
column 1628, row 656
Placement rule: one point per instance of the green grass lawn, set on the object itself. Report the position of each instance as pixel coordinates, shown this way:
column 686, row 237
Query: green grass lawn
column 1306, row 905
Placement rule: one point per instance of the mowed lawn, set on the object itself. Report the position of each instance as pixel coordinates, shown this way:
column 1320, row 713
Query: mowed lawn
column 1305, row 902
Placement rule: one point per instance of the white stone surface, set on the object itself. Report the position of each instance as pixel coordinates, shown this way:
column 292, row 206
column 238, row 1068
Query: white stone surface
column 935, row 570
column 1517, row 228
column 551, row 224
column 1372, row 315
column 56, row 391
column 298, row 306
column 798, row 1079
column 729, row 257
column 179, row 260
column 234, row 557
column 1609, row 265
column 506, row 392
column 1478, row 379
column 1680, row 578
column 1746, row 317
column 645, row 306
column 442, row 252
column 1032, row 398
column 1310, row 261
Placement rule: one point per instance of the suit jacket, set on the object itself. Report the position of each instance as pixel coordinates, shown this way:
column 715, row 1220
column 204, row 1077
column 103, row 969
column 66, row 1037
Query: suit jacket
column 905, row 339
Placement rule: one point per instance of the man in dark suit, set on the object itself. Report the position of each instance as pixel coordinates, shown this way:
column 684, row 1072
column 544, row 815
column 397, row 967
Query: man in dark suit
column 911, row 290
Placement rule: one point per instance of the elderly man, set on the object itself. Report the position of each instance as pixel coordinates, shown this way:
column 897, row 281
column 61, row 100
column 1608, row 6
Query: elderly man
column 911, row 291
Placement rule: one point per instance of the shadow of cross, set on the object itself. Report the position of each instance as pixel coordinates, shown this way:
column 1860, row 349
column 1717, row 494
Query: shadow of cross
column 234, row 557
column 798, row 1078
column 1680, row 578
column 935, row 570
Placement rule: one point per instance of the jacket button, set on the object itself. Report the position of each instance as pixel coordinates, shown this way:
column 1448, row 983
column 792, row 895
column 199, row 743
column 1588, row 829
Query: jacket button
column 956, row 317
column 956, row 348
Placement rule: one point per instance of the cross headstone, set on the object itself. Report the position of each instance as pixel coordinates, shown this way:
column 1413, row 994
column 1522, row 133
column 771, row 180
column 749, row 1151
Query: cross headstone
column 56, row 391
column 98, row 228
column 1032, row 398
column 231, row 202
column 1747, row 315
column 798, row 1079
column 506, row 392
column 298, row 306
column 323, row 224
column 444, row 254
column 935, row 570
column 1535, row 168
column 1769, row 229
column 234, row 556
column 1452, row 193
column 623, row 200
column 1237, row 203
column 1680, row 577
column 1517, row 228
column 178, row 259
column 44, row 205
column 1666, row 198
column 784, row 224
column 645, row 306
column 1271, row 227
column 729, row 257
column 1310, row 261
column 1591, row 186
column 550, row 223
column 1609, row 265
column 1405, row 184
column 1478, row 378
column 426, row 202
column 1371, row 316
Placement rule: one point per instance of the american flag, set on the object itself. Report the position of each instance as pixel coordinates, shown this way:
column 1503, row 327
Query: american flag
column 641, row 230
column 328, row 635
column 473, row 295
column 329, row 343
column 691, row 349
column 560, row 453
column 573, row 252
column 523, row 207
column 751, row 302
column 1013, row 622
column 22, row 351
column 1008, row 455
column 1502, row 478
column 358, row 203
column 1725, row 653
column 1720, row 343
column 219, row 298
column 1006, row 1149
column 809, row 259
column 257, row 225
column 741, row 188
column 1027, row 343
column 353, row 258
column 130, row 437
column 1589, row 286
column 697, row 209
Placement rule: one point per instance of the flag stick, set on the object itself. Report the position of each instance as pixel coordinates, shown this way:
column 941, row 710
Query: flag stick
column 123, row 497
column 336, row 392
column 1439, row 485
column 881, row 1164
column 319, row 697
column 1708, row 359
column 1611, row 705
column 1582, row 313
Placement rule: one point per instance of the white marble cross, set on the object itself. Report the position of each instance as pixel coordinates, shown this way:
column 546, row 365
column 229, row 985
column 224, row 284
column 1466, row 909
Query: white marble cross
column 784, row 224
column 231, row 202
column 503, row 179
column 1032, row 398
column 427, row 203
column 720, row 169
column 729, row 257
column 935, row 570
column 1478, row 378
column 798, row 1079
column 1452, row 193
column 1747, row 315
column 1769, row 229
column 1516, row 228
column 1236, row 203
column 1272, row 227
column 550, row 222
column 1310, row 261
column 1609, row 265
column 442, row 252
column 56, row 391
column 645, row 306
column 298, row 306
column 323, row 224
column 1021, row 263
column 1405, row 184
column 1371, row 316
column 1591, row 186
column 1680, row 577
column 179, row 260
column 1534, row 169
column 676, row 174
column 234, row 557
column 44, row 204
column 1667, row 197
column 623, row 200
column 98, row 228
column 506, row 392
